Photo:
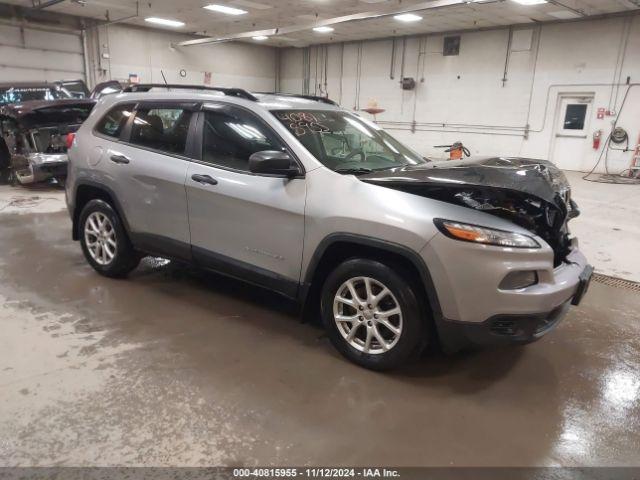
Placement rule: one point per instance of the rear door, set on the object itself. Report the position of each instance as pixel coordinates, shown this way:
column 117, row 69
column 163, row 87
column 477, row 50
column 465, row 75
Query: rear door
column 148, row 168
column 251, row 226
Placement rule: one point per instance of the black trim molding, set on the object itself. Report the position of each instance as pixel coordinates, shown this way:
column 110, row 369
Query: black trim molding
column 364, row 240
column 245, row 272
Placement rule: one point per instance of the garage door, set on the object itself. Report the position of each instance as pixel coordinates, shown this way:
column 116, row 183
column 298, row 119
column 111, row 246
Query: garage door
column 33, row 55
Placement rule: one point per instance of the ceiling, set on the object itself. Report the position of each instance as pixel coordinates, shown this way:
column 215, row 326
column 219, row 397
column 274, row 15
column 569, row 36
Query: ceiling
column 269, row 14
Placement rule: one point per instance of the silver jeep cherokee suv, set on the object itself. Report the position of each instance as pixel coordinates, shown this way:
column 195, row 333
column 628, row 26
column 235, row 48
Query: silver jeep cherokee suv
column 302, row 197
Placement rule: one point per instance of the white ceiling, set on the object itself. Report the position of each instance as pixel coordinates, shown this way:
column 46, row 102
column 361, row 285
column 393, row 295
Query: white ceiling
column 268, row 14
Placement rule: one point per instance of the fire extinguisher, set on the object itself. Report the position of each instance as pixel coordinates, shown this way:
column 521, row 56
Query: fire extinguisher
column 597, row 137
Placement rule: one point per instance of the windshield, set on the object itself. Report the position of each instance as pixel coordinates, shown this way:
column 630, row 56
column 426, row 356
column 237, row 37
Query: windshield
column 24, row 94
column 345, row 142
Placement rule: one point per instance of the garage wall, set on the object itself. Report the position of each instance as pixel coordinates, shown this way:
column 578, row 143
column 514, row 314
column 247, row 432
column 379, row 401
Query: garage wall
column 146, row 52
column 464, row 97
column 28, row 54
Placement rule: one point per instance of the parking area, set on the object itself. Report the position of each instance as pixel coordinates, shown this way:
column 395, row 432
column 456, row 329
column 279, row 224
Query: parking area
column 179, row 367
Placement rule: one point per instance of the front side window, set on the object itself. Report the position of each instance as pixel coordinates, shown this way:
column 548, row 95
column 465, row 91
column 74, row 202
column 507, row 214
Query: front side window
column 346, row 143
column 164, row 129
column 232, row 135
column 114, row 121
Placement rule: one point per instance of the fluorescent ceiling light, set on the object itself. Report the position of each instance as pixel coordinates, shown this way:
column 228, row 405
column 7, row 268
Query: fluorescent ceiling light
column 323, row 29
column 225, row 9
column 260, row 38
column 530, row 2
column 164, row 21
column 408, row 17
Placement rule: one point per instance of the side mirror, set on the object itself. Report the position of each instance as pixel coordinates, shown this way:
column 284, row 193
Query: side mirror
column 273, row 162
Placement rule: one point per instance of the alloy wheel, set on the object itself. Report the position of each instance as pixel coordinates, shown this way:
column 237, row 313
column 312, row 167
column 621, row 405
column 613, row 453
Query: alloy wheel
column 100, row 238
column 368, row 315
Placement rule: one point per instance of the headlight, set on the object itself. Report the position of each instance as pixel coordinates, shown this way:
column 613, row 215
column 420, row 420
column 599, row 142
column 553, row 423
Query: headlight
column 484, row 235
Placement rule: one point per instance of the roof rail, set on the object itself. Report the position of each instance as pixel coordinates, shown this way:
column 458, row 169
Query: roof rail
column 306, row 97
column 231, row 92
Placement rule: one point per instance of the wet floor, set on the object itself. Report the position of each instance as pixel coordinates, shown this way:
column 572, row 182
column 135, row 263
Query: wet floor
column 179, row 367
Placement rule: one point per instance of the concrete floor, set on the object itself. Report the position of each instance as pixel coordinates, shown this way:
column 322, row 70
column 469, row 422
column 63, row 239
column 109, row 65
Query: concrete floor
column 178, row 367
column 608, row 228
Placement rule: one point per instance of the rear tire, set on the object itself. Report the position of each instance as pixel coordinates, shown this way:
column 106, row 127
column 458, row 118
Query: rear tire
column 380, row 329
column 104, row 240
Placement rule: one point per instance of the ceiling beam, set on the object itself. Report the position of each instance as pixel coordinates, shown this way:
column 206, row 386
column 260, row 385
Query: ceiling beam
column 571, row 9
column 329, row 22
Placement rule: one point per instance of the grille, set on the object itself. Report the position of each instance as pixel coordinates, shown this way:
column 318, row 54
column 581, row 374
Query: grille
column 616, row 282
column 504, row 327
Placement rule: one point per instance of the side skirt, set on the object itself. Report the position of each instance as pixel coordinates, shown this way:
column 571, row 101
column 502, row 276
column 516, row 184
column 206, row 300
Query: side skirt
column 221, row 264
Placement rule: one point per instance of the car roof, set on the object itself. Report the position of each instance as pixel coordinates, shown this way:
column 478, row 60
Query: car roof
column 29, row 85
column 266, row 101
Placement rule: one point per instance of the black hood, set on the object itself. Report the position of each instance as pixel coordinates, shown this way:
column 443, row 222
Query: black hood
column 41, row 113
column 538, row 178
column 534, row 194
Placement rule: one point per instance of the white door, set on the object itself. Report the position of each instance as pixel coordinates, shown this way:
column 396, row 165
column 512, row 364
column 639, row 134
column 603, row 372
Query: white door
column 571, row 142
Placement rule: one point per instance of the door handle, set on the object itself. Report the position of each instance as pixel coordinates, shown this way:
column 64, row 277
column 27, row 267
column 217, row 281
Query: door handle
column 120, row 159
column 204, row 179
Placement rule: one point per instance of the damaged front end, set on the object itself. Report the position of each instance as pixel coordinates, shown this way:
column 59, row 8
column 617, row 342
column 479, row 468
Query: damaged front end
column 34, row 137
column 533, row 194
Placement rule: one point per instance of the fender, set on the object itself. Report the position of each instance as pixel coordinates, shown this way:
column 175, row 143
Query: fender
column 116, row 205
column 397, row 249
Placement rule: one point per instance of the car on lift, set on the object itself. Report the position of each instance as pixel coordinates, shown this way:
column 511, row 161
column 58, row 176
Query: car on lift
column 321, row 205
column 35, row 120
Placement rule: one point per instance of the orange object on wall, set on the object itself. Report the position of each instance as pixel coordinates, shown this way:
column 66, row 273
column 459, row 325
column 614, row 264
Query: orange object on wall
column 455, row 153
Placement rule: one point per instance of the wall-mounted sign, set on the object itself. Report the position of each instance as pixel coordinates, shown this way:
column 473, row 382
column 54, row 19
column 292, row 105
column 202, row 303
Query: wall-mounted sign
column 207, row 78
column 134, row 78
column 183, row 73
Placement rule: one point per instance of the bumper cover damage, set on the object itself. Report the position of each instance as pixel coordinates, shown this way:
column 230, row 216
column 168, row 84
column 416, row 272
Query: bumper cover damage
column 33, row 137
column 533, row 194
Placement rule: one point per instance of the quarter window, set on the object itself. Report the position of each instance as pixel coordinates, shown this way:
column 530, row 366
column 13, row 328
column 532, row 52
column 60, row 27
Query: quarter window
column 164, row 129
column 231, row 136
column 114, row 121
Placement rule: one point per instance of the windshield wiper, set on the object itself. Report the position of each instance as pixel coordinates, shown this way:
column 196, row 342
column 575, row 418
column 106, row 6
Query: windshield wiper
column 354, row 170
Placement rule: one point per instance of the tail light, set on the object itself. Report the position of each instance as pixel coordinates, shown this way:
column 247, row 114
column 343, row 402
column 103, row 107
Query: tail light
column 70, row 138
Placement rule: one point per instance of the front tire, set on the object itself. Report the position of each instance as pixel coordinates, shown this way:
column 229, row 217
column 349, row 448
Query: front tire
column 371, row 314
column 104, row 241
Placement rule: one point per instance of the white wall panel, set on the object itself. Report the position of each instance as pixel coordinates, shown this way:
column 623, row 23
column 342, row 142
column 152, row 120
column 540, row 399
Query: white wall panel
column 147, row 52
column 463, row 97
column 29, row 54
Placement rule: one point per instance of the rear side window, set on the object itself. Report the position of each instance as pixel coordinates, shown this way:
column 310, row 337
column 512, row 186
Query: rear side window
column 232, row 135
column 164, row 129
column 113, row 122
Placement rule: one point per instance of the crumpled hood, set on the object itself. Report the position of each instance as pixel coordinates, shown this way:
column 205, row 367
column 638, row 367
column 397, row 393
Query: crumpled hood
column 539, row 178
column 39, row 113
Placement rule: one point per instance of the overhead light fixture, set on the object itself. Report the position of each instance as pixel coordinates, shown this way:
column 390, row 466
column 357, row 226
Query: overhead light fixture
column 323, row 29
column 225, row 9
column 260, row 38
column 530, row 2
column 408, row 17
column 165, row 22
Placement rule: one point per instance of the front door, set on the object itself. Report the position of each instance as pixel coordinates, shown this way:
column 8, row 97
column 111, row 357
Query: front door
column 249, row 226
column 571, row 137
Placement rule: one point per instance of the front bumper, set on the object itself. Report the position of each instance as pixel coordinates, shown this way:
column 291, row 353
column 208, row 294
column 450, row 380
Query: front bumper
column 500, row 330
column 473, row 308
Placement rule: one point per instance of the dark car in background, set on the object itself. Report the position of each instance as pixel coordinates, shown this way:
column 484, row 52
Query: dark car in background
column 36, row 120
